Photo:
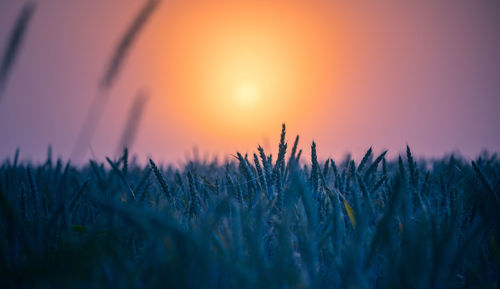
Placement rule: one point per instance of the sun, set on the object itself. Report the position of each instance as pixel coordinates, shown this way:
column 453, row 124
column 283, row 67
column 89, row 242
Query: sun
column 246, row 95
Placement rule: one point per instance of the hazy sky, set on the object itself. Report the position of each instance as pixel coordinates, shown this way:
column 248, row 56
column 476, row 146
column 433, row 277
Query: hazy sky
column 224, row 75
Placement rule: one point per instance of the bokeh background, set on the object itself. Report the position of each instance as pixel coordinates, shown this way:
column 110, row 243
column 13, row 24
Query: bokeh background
column 348, row 75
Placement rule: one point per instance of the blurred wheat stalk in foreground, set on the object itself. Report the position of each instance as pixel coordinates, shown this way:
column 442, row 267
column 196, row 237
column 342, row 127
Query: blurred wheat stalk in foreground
column 132, row 125
column 99, row 102
column 14, row 43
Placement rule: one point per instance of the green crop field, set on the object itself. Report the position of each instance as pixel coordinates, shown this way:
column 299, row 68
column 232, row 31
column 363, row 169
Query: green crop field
column 256, row 221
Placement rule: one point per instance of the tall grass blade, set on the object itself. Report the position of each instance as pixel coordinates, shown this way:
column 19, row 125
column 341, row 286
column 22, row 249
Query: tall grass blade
column 133, row 120
column 126, row 42
column 350, row 213
column 99, row 102
column 14, row 43
column 484, row 181
column 160, row 178
column 34, row 193
column 365, row 159
column 373, row 167
column 122, row 177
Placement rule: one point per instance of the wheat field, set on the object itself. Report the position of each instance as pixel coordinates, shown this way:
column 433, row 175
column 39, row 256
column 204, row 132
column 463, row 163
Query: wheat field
column 252, row 222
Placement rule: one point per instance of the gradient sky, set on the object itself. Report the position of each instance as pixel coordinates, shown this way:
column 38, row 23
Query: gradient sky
column 224, row 75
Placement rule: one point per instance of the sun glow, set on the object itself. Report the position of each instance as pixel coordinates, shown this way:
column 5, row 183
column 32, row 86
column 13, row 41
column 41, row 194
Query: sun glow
column 237, row 70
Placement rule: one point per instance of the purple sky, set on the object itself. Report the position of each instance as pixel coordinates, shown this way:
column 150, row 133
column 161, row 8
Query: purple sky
column 425, row 73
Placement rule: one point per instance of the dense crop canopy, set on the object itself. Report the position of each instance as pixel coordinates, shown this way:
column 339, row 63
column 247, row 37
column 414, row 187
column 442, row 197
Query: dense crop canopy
column 254, row 222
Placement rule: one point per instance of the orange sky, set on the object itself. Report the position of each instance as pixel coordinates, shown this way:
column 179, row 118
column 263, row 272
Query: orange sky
column 224, row 75
column 239, row 70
